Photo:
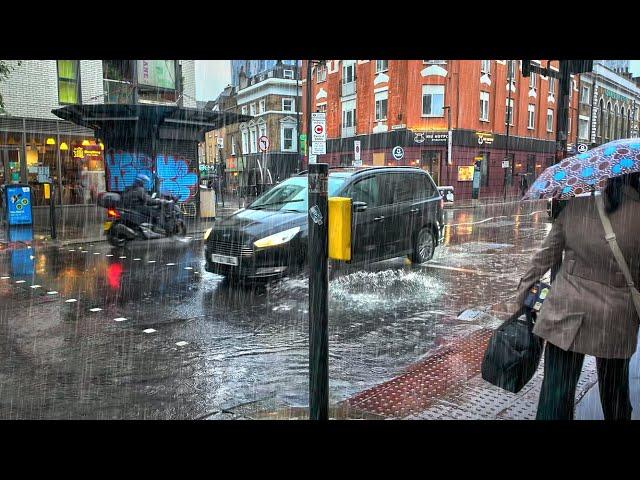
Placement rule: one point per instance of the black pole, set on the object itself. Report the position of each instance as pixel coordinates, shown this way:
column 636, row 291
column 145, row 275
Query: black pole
column 318, row 293
column 308, row 126
column 298, row 111
column 510, row 71
column 52, row 211
column 561, row 134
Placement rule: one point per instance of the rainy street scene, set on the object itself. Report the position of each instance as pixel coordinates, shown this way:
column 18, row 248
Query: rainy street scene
column 319, row 239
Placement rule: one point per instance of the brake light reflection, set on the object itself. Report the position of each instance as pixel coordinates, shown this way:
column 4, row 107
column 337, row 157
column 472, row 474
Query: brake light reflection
column 112, row 213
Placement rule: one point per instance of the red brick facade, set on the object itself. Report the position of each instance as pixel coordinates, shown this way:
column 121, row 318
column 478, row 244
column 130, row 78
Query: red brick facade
column 532, row 148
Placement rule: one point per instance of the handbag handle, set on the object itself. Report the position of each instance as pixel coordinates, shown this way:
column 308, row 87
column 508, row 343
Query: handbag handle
column 610, row 236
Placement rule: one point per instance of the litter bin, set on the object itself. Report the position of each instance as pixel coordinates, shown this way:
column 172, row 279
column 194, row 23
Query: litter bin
column 207, row 202
column 17, row 204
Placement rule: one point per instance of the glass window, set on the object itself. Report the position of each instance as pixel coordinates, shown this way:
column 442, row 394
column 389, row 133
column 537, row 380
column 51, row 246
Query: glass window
column 83, row 172
column 583, row 128
column 321, row 108
column 508, row 116
column 485, row 66
column 245, row 142
column 432, row 100
column 552, row 85
column 262, row 106
column 549, row 120
column 321, row 73
column 348, row 73
column 484, row 106
column 288, row 135
column 287, row 74
column 252, row 109
column 288, row 105
column 365, row 190
column 253, row 140
column 584, row 94
column 381, row 106
column 292, row 194
column 411, row 187
column 511, row 69
column 382, row 66
column 532, row 117
column 532, row 80
column 68, row 84
column 42, row 159
column 244, row 110
column 233, row 146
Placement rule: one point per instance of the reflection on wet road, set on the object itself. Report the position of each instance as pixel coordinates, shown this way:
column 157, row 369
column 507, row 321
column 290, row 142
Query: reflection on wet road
column 144, row 332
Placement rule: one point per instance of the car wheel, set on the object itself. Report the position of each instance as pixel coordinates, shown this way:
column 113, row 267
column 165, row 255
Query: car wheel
column 424, row 246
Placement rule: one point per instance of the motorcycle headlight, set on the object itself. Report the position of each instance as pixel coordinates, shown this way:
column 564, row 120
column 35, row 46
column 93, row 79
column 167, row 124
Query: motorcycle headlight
column 277, row 238
column 207, row 233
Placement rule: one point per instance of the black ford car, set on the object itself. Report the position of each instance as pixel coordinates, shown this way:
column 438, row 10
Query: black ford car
column 396, row 211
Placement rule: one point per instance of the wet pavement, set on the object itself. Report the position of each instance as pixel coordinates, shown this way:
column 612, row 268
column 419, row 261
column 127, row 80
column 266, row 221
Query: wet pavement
column 89, row 331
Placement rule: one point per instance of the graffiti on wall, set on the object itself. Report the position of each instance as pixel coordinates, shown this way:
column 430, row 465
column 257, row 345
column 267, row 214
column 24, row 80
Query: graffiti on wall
column 173, row 173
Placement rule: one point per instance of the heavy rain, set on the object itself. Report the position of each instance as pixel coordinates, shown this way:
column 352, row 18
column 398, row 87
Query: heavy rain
column 169, row 233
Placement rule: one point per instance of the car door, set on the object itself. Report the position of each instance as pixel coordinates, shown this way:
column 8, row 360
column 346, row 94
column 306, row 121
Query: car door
column 405, row 214
column 367, row 221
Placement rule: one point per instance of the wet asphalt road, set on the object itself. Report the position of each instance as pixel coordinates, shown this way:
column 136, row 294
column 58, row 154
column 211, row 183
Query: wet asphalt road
column 99, row 333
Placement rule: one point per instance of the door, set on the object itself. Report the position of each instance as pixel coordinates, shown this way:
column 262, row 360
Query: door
column 368, row 224
column 9, row 164
column 431, row 161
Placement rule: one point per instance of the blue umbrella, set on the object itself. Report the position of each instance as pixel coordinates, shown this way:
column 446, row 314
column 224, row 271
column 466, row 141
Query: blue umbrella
column 587, row 171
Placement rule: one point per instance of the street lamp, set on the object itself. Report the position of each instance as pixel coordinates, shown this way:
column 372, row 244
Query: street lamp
column 449, row 140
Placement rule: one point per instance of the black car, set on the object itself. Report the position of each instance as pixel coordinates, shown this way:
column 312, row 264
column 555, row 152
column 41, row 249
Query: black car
column 396, row 211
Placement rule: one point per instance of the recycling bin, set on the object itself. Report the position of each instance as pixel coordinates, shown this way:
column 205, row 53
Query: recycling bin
column 17, row 203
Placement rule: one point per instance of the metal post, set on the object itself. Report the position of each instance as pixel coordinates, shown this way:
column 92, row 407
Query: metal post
column 52, row 210
column 318, row 293
column 564, row 88
column 298, row 108
column 308, row 126
column 510, row 70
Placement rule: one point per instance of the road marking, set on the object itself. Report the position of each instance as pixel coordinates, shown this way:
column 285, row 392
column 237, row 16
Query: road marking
column 188, row 268
column 72, row 250
column 120, row 319
column 83, row 251
column 6, row 278
column 122, row 257
column 95, row 309
column 36, row 286
column 170, row 264
column 137, row 259
column 20, row 281
column 152, row 261
column 182, row 344
column 71, row 300
column 149, row 330
column 96, row 253
column 109, row 255
column 52, row 292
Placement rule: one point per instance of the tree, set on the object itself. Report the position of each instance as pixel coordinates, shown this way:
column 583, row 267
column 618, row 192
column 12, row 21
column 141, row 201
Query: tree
column 5, row 70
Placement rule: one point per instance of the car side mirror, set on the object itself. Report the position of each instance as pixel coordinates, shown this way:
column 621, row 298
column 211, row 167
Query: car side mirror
column 359, row 206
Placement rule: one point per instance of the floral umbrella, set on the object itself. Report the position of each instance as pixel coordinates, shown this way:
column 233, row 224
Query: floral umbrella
column 587, row 171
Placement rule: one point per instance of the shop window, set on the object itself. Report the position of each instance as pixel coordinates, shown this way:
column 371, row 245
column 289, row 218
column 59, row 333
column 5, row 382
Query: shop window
column 68, row 82
column 83, row 172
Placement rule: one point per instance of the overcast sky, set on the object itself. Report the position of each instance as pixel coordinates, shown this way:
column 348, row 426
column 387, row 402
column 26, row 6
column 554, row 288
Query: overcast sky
column 211, row 78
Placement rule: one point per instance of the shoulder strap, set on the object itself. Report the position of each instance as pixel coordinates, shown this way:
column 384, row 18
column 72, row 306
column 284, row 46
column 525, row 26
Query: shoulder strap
column 610, row 236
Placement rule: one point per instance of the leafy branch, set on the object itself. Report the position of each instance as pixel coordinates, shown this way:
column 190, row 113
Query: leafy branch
column 5, row 71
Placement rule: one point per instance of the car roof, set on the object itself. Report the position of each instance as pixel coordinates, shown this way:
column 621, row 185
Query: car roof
column 351, row 171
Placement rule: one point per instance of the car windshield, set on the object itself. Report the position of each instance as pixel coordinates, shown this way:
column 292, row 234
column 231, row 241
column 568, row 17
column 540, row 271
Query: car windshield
column 291, row 195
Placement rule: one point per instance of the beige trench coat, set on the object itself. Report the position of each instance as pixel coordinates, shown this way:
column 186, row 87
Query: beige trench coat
column 589, row 307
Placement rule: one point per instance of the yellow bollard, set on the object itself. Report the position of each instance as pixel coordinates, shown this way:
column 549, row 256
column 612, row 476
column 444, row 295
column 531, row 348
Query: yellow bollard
column 340, row 228
column 47, row 190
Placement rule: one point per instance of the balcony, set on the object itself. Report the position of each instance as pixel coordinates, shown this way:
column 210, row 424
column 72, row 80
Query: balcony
column 348, row 89
column 348, row 131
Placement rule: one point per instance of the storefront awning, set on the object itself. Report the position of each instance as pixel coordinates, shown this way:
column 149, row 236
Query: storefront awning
column 100, row 117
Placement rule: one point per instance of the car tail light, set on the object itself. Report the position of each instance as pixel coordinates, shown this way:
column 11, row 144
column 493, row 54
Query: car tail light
column 112, row 213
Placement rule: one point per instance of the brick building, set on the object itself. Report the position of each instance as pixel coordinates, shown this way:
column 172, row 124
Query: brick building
column 414, row 103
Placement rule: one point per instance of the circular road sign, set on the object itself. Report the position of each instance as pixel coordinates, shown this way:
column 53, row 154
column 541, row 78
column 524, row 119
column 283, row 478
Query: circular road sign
column 582, row 148
column 318, row 129
column 263, row 143
column 398, row 152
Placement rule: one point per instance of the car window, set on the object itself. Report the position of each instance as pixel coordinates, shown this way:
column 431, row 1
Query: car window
column 292, row 195
column 365, row 190
column 407, row 187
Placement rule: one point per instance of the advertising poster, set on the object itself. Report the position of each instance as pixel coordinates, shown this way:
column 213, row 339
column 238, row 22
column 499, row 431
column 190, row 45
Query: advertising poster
column 18, row 201
column 157, row 73
column 465, row 174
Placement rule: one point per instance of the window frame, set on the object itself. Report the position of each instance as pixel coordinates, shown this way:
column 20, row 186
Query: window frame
column 531, row 115
column 549, row 128
column 507, row 108
column 321, row 69
column 532, row 80
column 482, row 102
column 262, row 106
column 293, row 104
column 379, row 98
column 385, row 67
column 425, row 92
column 485, row 67
column 69, row 81
column 284, row 74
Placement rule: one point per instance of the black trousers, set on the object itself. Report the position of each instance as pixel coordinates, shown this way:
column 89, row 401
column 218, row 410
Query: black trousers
column 561, row 373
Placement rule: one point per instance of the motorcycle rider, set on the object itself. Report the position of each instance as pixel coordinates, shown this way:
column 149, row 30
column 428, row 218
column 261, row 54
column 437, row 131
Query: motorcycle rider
column 137, row 198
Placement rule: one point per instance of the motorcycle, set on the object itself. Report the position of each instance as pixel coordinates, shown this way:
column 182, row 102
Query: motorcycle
column 162, row 218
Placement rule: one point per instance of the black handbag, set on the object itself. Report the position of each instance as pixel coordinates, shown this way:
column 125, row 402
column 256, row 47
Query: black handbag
column 513, row 353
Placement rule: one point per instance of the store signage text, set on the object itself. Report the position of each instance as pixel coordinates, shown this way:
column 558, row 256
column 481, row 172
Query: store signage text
column 484, row 138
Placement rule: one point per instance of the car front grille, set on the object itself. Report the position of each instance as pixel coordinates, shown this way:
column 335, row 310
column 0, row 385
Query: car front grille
column 229, row 248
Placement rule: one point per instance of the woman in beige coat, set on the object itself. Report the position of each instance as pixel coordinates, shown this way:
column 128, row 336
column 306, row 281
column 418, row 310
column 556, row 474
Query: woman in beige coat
column 589, row 309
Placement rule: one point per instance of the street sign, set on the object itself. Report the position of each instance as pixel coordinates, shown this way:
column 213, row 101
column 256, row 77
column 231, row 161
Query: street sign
column 319, row 133
column 356, row 153
column 505, row 164
column 318, row 148
column 221, row 142
column 313, row 158
column 263, row 143
column 582, row 148
column 398, row 152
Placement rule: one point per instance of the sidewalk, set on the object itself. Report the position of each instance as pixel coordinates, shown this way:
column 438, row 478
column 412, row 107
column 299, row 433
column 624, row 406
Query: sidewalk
column 482, row 202
column 92, row 232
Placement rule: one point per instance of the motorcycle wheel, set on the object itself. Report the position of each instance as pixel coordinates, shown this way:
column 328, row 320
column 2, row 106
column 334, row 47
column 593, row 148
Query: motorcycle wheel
column 181, row 229
column 115, row 240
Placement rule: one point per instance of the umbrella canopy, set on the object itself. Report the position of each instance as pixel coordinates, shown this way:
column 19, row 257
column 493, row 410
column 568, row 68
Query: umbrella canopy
column 587, row 171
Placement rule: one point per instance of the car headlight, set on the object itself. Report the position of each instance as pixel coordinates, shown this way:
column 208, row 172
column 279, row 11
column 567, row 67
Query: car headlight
column 207, row 233
column 277, row 238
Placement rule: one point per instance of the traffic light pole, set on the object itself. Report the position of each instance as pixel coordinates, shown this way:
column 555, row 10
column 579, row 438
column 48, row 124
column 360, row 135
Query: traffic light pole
column 318, row 292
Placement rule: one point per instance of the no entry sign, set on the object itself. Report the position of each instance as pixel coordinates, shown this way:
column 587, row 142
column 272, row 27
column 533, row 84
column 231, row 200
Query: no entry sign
column 263, row 143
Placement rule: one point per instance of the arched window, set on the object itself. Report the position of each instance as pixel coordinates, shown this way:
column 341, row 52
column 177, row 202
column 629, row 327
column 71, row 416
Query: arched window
column 623, row 123
column 609, row 129
column 600, row 126
column 616, row 125
column 629, row 123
